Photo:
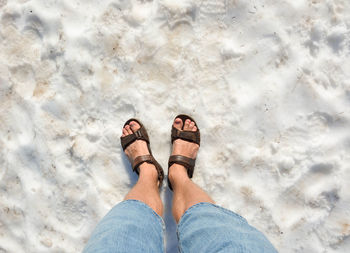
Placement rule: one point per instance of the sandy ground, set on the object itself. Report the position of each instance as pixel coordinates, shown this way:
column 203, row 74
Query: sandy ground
column 267, row 81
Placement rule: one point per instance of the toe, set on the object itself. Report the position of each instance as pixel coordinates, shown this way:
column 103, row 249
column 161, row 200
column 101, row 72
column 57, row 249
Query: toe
column 178, row 123
column 128, row 129
column 125, row 132
column 194, row 129
column 187, row 124
column 134, row 126
column 192, row 125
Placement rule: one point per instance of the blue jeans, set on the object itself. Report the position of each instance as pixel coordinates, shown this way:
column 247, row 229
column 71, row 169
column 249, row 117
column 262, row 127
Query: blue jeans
column 133, row 227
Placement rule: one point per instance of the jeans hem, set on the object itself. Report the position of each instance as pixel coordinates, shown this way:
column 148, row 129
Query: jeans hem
column 187, row 212
column 144, row 204
column 209, row 204
column 162, row 223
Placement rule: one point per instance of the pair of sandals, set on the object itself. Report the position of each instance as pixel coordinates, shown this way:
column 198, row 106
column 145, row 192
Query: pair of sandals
column 141, row 134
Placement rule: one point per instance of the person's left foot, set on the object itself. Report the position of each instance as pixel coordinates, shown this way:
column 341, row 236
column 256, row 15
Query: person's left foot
column 138, row 147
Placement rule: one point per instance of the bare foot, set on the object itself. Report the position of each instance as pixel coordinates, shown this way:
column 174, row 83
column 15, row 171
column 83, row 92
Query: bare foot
column 137, row 148
column 184, row 148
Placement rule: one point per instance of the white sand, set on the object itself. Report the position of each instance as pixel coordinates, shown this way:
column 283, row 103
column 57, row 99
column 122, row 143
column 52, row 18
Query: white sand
column 267, row 81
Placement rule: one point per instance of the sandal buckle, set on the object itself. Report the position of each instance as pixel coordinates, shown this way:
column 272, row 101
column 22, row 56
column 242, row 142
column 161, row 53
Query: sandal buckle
column 138, row 134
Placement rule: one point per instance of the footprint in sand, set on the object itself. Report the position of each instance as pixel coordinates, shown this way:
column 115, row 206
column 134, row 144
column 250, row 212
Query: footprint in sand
column 34, row 26
column 176, row 14
column 311, row 197
column 213, row 8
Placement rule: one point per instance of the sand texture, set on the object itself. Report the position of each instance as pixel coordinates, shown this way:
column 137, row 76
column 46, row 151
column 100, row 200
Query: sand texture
column 267, row 81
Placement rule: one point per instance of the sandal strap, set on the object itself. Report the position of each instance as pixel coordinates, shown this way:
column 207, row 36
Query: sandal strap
column 187, row 162
column 148, row 159
column 140, row 134
column 141, row 159
column 185, row 135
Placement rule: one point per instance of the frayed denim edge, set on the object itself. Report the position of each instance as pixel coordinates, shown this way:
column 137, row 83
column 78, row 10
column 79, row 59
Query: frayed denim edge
column 243, row 220
column 154, row 213
column 210, row 204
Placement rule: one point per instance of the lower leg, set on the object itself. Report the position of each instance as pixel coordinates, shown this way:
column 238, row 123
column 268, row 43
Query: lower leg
column 186, row 193
column 113, row 232
column 146, row 189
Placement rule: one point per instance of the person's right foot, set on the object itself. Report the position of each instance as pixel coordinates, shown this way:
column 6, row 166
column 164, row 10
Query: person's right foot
column 184, row 148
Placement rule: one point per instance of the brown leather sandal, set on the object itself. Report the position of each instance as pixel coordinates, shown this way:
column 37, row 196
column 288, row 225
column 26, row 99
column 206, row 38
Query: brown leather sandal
column 190, row 136
column 141, row 134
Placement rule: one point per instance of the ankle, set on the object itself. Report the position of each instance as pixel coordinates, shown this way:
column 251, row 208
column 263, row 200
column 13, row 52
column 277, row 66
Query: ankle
column 178, row 174
column 148, row 171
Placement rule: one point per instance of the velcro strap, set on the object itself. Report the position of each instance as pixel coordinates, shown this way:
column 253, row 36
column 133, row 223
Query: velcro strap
column 141, row 159
column 185, row 135
column 187, row 162
column 140, row 134
column 127, row 140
